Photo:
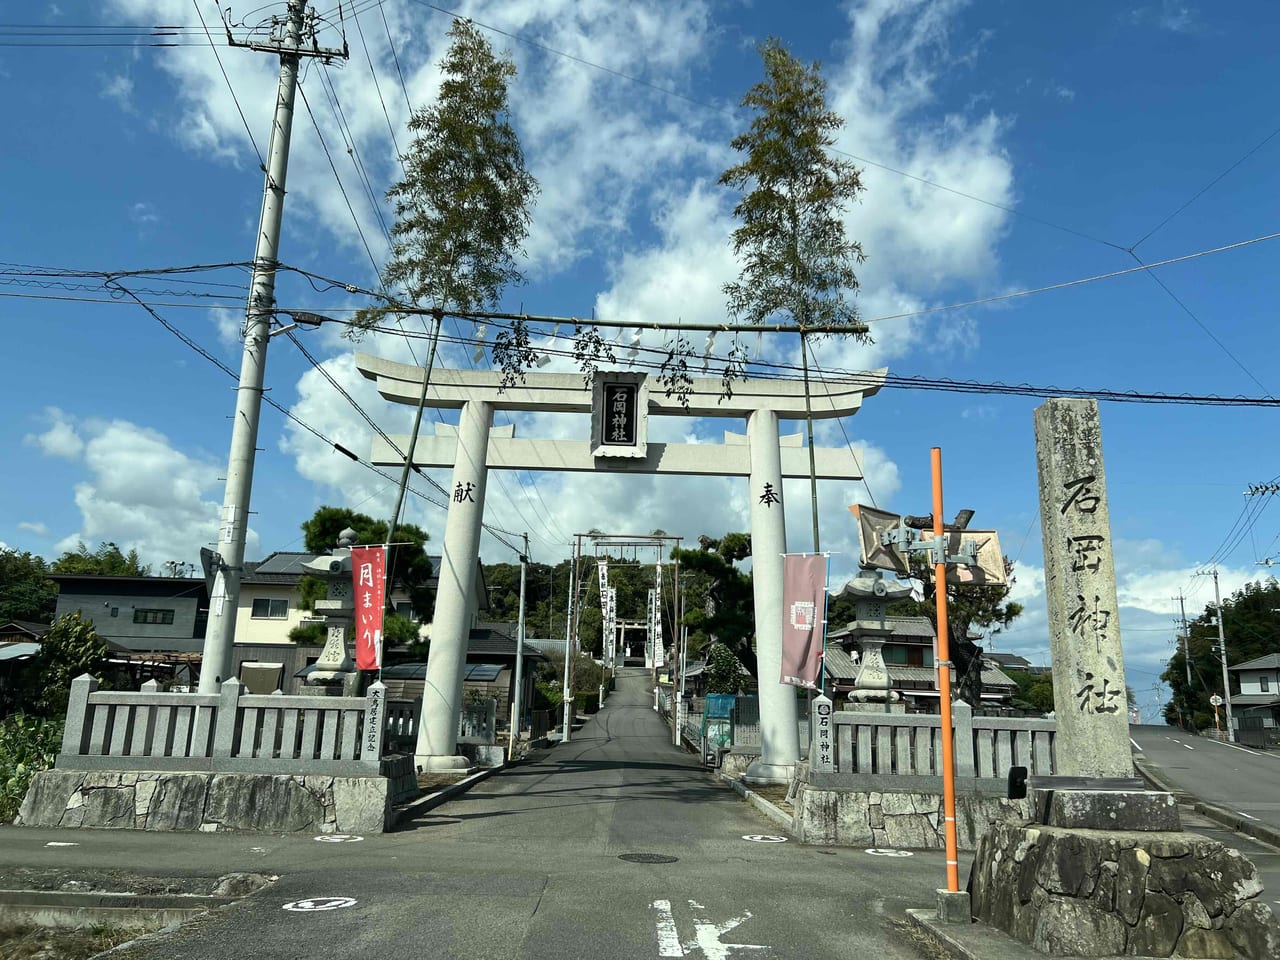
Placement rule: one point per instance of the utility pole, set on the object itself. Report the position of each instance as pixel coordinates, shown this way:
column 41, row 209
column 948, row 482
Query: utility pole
column 568, row 633
column 1222, row 649
column 517, row 705
column 287, row 40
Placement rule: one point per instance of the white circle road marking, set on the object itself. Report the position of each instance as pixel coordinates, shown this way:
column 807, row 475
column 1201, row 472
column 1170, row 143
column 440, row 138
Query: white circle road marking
column 316, row 904
column 883, row 852
column 763, row 838
column 339, row 838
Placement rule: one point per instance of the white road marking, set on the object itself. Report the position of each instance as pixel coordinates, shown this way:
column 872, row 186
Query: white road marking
column 315, row 904
column 1243, row 814
column 887, row 852
column 338, row 838
column 1187, row 745
column 1135, row 743
column 668, row 938
column 61, row 843
column 706, row 934
column 1242, row 749
column 763, row 838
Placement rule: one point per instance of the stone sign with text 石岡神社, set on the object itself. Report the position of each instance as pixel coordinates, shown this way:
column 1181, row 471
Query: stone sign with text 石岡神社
column 1080, row 588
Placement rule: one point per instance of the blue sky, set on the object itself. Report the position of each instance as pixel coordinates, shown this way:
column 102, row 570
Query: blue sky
column 1055, row 138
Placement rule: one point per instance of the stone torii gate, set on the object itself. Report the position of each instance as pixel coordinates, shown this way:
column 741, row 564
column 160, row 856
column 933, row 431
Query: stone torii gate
column 620, row 403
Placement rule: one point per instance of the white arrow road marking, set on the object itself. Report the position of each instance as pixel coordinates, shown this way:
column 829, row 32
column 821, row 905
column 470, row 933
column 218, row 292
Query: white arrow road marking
column 706, row 934
column 668, row 939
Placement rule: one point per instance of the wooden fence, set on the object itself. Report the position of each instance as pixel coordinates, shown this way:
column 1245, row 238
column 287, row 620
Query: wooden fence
column 227, row 732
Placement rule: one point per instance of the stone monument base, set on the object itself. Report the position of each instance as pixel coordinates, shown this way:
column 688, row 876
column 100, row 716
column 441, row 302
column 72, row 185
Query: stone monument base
column 760, row 773
column 1085, row 809
column 1096, row 893
column 206, row 802
column 908, row 820
column 874, row 706
column 442, row 763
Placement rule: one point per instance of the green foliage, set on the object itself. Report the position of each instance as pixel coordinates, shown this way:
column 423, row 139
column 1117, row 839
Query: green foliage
column 399, row 631
column 106, row 561
column 72, row 647
column 1251, row 624
column 462, row 209
column 719, row 601
column 408, row 563
column 1035, row 691
column 308, row 634
column 27, row 746
column 26, row 593
column 724, row 671
column 797, row 262
column 311, row 589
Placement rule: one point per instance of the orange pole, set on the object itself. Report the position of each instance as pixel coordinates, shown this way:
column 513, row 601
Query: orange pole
column 944, row 686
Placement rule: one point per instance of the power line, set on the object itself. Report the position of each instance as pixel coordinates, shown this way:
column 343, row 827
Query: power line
column 262, row 164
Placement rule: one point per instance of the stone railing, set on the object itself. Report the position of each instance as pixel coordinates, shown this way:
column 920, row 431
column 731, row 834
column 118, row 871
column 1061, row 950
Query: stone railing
column 227, row 732
column 904, row 751
column 477, row 723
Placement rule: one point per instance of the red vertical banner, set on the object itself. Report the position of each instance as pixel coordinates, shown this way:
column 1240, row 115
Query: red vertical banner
column 804, row 611
column 369, row 578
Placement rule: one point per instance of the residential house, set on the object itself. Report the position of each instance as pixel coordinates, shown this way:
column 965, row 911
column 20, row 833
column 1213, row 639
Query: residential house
column 1011, row 661
column 908, row 653
column 138, row 614
column 19, row 642
column 1256, row 707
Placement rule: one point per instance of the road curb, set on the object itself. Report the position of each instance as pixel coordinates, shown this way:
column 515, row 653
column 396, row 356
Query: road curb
column 1218, row 814
column 775, row 814
column 438, row 796
column 970, row 941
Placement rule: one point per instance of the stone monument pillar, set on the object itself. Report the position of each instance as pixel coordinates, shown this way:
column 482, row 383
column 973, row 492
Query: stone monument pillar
column 335, row 670
column 1080, row 587
column 451, row 626
column 779, row 731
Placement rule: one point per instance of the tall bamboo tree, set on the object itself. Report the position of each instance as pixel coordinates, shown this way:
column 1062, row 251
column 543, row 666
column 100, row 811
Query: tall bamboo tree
column 463, row 209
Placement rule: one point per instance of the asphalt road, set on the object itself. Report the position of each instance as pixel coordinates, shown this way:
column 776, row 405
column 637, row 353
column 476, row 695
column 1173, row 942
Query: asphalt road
column 527, row 864
column 1240, row 779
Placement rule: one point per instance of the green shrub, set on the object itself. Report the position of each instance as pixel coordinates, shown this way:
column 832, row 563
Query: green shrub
column 27, row 746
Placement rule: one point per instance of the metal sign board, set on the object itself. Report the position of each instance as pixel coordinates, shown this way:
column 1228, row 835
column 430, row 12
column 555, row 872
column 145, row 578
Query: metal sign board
column 619, row 415
column 988, row 571
column 874, row 554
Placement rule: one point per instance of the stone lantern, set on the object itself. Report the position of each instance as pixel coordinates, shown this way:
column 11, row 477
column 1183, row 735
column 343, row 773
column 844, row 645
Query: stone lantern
column 872, row 595
column 335, row 671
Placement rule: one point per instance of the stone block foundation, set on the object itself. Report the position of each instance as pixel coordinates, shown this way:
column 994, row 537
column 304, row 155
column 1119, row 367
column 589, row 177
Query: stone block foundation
column 858, row 818
column 1096, row 893
column 206, row 802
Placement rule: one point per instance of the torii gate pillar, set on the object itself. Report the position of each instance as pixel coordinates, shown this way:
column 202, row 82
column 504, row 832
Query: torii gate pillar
column 779, row 736
column 437, row 747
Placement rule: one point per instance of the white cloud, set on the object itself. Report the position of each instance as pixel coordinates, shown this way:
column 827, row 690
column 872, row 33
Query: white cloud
column 39, row 529
column 144, row 214
column 139, row 491
column 119, row 89
column 60, row 440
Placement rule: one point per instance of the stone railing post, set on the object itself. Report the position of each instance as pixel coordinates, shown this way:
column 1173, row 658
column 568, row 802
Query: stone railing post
column 77, row 712
column 224, row 721
column 375, row 722
column 962, row 728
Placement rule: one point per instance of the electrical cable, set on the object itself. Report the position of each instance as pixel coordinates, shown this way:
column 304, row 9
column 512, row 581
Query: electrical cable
column 262, row 164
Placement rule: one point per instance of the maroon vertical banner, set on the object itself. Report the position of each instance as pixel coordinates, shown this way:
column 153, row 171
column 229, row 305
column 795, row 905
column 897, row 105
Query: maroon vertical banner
column 804, row 610
column 369, row 577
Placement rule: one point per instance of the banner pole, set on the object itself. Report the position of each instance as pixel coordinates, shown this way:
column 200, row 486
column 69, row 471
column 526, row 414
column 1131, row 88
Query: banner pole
column 944, row 679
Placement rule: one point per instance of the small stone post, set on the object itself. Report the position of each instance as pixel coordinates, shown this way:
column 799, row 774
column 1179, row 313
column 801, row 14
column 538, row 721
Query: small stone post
column 1080, row 587
column 77, row 711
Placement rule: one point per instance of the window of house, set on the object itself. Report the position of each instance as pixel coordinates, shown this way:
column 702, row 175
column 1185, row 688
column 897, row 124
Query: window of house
column 143, row 615
column 404, row 608
column 270, row 608
column 1264, row 684
column 115, row 611
column 894, row 654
